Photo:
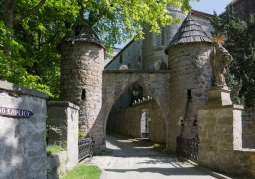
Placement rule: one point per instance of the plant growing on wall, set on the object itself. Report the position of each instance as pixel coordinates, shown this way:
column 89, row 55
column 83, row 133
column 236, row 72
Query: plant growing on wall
column 240, row 42
column 30, row 31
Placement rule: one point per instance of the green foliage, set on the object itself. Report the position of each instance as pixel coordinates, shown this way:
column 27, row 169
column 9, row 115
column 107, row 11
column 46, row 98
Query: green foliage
column 53, row 149
column 241, row 44
column 35, row 62
column 84, row 171
column 80, row 134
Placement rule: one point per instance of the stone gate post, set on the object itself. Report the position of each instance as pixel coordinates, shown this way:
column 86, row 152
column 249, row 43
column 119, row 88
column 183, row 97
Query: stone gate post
column 63, row 128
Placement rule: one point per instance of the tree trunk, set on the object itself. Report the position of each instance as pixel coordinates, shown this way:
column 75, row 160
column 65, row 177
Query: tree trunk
column 10, row 21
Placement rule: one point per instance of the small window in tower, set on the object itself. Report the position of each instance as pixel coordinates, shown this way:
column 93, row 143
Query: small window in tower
column 83, row 94
column 160, row 38
column 121, row 59
column 189, row 94
column 77, row 30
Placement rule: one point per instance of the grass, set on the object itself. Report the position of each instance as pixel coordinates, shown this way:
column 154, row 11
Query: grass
column 82, row 171
column 52, row 149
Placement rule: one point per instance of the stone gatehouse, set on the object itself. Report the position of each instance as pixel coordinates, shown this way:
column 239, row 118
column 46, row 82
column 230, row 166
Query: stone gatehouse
column 179, row 90
column 175, row 79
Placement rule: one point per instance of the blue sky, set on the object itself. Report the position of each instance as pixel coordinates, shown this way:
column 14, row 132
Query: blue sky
column 207, row 6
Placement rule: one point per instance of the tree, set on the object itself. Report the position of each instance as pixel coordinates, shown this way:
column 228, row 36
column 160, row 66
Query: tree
column 30, row 31
column 240, row 43
column 10, row 20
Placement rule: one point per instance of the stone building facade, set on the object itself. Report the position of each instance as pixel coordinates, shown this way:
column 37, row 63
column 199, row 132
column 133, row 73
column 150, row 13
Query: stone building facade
column 243, row 8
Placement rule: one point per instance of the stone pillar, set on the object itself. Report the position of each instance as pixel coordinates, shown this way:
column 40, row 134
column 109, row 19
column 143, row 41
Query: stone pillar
column 82, row 63
column 63, row 128
column 220, row 134
column 22, row 135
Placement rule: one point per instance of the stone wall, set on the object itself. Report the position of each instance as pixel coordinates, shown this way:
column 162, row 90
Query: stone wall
column 81, row 83
column 220, row 146
column 248, row 128
column 22, row 140
column 63, row 130
column 191, row 74
column 58, row 165
column 128, row 121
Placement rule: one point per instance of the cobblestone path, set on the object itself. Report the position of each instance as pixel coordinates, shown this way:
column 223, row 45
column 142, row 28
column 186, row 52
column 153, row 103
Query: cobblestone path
column 132, row 161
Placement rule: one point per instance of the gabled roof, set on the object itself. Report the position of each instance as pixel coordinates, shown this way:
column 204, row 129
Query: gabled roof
column 189, row 32
column 200, row 14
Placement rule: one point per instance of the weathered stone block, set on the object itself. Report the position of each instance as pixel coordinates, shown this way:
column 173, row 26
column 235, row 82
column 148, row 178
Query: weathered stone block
column 22, row 140
column 65, row 129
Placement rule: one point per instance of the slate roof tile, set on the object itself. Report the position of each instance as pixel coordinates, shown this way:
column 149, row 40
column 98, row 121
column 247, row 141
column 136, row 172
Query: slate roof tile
column 189, row 32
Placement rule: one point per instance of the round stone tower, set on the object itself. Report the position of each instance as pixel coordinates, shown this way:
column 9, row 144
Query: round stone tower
column 154, row 44
column 191, row 74
column 82, row 63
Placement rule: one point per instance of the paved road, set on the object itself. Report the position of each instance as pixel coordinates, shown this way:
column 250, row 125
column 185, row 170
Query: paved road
column 132, row 161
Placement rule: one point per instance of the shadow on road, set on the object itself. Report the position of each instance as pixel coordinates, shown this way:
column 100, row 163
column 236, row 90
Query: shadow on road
column 163, row 171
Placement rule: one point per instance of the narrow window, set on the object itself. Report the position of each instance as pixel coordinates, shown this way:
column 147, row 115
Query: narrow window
column 121, row 59
column 160, row 38
column 83, row 94
column 77, row 30
column 189, row 94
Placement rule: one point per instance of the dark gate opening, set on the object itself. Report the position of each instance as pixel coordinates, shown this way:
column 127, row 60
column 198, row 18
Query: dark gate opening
column 144, row 124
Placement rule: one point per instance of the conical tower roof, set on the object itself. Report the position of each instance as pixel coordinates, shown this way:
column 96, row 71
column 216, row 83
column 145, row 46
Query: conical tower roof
column 83, row 33
column 189, row 32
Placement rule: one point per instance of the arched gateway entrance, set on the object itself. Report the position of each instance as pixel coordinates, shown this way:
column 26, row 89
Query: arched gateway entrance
column 115, row 82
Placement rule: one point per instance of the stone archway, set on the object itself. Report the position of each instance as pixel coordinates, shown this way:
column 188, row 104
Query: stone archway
column 115, row 82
